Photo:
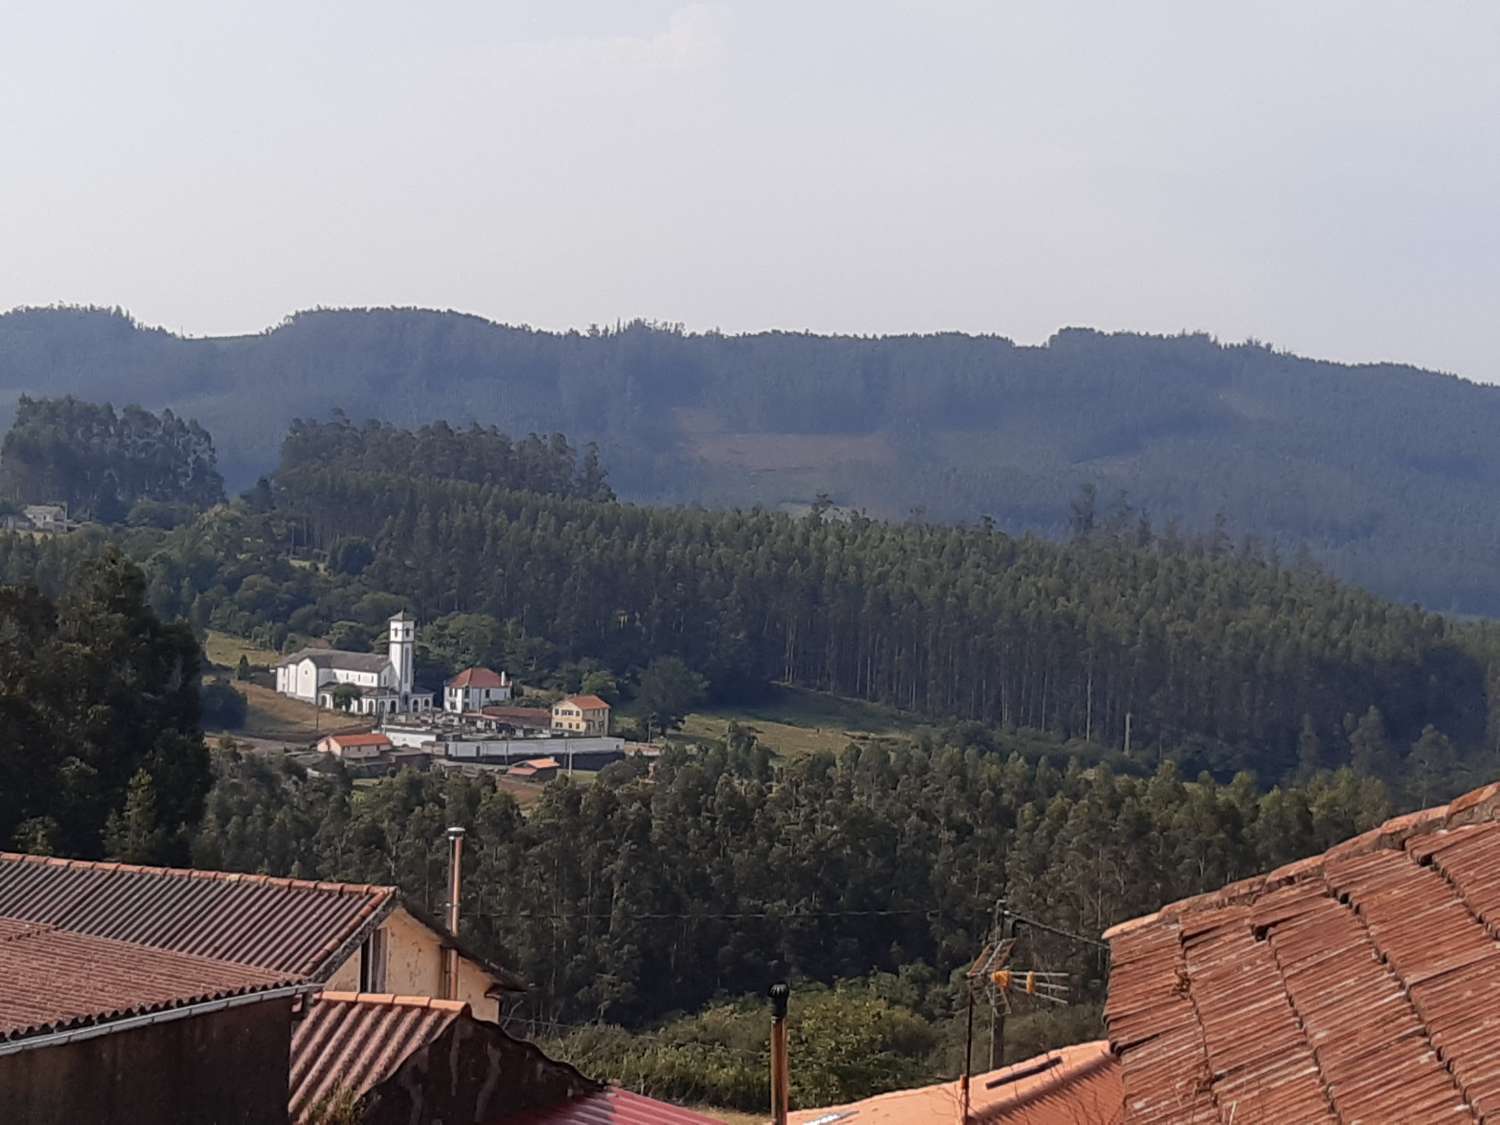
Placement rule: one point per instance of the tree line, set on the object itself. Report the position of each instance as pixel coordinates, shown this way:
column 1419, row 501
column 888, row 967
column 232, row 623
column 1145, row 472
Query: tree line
column 1385, row 472
column 107, row 465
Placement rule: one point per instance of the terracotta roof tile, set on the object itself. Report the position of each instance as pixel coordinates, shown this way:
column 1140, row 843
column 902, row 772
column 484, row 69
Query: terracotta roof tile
column 477, row 678
column 56, row 980
column 287, row 925
column 1357, row 985
column 586, row 702
column 1078, row 1085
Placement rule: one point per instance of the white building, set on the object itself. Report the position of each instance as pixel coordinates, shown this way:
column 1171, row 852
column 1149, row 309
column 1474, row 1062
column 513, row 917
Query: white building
column 368, row 682
column 474, row 688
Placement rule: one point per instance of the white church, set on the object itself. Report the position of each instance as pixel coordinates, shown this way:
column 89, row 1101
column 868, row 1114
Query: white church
column 377, row 684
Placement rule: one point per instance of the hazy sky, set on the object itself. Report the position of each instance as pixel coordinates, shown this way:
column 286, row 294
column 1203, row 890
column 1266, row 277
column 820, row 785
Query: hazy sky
column 1321, row 174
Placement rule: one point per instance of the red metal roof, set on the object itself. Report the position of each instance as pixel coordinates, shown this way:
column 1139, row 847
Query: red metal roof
column 477, row 678
column 286, row 925
column 1078, row 1085
column 608, row 1107
column 354, row 1041
column 346, row 741
column 55, row 980
column 1358, row 985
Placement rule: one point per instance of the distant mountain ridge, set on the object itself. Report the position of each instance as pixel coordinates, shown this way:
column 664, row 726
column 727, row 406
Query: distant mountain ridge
column 1388, row 474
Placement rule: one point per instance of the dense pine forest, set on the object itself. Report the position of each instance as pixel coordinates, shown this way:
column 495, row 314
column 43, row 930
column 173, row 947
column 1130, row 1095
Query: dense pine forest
column 1385, row 474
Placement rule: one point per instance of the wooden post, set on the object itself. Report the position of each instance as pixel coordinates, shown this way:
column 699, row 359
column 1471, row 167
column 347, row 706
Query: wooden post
column 963, row 1082
column 455, row 887
column 780, row 1083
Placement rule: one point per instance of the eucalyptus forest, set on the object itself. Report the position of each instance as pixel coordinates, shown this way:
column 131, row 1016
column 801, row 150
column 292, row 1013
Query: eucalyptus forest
column 1116, row 720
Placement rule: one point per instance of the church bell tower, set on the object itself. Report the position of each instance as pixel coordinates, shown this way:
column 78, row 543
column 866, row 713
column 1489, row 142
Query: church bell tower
column 403, row 644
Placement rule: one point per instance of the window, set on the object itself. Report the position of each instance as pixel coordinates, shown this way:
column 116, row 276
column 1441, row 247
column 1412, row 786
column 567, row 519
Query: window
column 372, row 962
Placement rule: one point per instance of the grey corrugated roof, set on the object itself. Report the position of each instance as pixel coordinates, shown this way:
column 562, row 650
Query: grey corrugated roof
column 333, row 658
column 289, row 925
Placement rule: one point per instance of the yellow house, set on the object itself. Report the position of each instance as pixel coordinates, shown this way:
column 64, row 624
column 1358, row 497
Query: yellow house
column 581, row 714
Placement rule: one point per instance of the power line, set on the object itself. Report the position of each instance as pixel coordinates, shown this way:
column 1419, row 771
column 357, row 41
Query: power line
column 738, row 915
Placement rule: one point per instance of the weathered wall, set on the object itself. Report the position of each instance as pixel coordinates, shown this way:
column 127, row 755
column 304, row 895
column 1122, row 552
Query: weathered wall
column 473, row 1071
column 228, row 1067
column 414, row 967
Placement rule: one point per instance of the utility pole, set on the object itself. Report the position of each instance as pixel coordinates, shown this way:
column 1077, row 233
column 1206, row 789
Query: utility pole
column 779, row 993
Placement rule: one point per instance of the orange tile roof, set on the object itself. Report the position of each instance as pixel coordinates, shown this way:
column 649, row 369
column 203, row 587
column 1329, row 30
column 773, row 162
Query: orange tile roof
column 1355, row 985
column 477, row 678
column 586, row 702
column 290, row 925
column 56, row 980
column 1078, row 1085
column 347, row 741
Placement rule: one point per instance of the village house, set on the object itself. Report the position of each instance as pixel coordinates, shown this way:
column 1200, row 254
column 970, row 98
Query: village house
column 536, row 769
column 581, row 714
column 353, row 937
column 366, row 747
column 50, row 518
column 363, row 683
column 474, row 688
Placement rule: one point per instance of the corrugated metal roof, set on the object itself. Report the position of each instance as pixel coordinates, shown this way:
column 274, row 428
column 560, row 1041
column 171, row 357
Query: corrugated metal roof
column 608, row 1107
column 55, row 980
column 288, row 925
column 349, row 1041
column 1078, row 1085
column 1358, row 985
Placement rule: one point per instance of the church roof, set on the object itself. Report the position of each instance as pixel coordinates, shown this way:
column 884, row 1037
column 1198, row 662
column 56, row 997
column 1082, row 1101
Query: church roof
column 333, row 658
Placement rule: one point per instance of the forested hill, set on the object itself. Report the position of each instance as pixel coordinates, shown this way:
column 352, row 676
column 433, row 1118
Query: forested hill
column 1388, row 474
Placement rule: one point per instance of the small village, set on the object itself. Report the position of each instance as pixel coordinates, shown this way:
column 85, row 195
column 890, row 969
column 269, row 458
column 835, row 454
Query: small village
column 477, row 729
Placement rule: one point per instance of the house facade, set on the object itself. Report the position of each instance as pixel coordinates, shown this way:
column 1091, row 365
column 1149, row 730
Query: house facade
column 363, row 683
column 474, row 688
column 355, row 747
column 581, row 714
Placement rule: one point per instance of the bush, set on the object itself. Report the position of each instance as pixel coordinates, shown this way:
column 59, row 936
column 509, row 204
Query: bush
column 222, row 707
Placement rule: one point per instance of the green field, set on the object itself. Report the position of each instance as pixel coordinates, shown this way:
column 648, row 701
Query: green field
column 794, row 722
column 225, row 651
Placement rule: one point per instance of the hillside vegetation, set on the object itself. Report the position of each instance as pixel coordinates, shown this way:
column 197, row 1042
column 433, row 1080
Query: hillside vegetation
column 1387, row 474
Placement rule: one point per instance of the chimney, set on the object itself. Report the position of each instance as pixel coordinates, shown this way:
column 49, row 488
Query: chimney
column 455, row 888
column 779, row 993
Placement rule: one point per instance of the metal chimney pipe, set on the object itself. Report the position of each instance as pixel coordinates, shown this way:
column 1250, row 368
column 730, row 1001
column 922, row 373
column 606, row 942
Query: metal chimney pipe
column 455, row 888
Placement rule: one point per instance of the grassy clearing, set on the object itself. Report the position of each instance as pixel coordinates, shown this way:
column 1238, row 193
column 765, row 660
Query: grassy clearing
column 276, row 717
column 225, row 651
column 795, row 722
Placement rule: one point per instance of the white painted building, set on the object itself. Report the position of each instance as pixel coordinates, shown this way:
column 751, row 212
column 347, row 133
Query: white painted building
column 368, row 682
column 474, row 688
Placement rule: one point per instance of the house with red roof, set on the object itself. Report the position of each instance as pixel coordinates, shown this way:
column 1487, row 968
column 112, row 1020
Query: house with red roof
column 581, row 714
column 361, row 747
column 474, row 689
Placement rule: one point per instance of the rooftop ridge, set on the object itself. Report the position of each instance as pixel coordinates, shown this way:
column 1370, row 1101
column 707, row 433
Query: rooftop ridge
column 1478, row 806
column 390, row 999
column 200, row 873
